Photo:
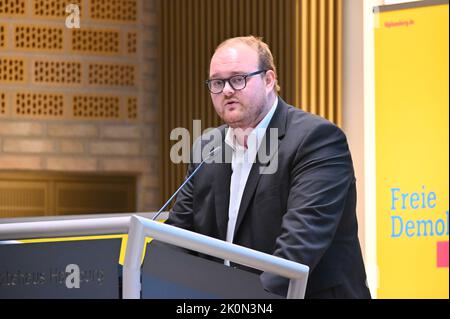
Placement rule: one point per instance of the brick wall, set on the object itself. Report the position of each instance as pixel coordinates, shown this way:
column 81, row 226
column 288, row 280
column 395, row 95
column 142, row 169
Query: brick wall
column 81, row 100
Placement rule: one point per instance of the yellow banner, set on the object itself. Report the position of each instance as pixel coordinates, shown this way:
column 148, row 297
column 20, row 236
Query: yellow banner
column 412, row 151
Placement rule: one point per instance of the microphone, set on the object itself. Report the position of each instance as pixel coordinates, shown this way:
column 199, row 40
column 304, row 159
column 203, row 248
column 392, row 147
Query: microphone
column 211, row 154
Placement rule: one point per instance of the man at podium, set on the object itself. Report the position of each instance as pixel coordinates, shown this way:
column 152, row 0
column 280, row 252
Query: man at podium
column 298, row 202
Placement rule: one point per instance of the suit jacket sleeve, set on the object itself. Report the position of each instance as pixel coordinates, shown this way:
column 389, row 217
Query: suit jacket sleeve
column 182, row 212
column 321, row 174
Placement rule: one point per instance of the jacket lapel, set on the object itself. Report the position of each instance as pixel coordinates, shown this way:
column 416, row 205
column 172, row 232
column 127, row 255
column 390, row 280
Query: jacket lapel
column 222, row 179
column 278, row 122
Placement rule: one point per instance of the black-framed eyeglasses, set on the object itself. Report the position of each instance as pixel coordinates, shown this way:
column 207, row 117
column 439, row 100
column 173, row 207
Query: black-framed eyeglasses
column 237, row 82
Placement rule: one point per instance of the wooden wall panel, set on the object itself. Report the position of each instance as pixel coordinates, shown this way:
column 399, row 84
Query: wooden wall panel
column 25, row 194
column 304, row 36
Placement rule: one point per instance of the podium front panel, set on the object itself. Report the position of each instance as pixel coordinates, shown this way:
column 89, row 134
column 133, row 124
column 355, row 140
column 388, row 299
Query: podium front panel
column 68, row 269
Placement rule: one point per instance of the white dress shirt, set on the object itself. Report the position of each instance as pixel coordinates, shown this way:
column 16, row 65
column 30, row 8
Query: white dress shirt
column 241, row 164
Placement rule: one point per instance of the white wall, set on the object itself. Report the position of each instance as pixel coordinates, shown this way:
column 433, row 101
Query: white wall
column 358, row 119
column 353, row 96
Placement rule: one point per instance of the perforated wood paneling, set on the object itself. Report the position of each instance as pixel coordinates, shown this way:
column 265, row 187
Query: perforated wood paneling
column 132, row 108
column 42, row 51
column 12, row 7
column 58, row 72
column 115, row 10
column 95, row 41
column 22, row 198
column 100, row 107
column 39, row 104
column 53, row 8
column 2, row 103
column 38, row 194
column 111, row 74
column 39, row 38
column 131, row 42
column 12, row 70
column 79, row 198
column 2, row 36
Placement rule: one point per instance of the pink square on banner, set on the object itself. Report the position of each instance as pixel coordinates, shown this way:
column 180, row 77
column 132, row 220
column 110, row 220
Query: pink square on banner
column 442, row 254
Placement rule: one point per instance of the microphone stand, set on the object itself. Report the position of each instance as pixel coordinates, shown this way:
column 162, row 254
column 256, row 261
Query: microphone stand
column 212, row 153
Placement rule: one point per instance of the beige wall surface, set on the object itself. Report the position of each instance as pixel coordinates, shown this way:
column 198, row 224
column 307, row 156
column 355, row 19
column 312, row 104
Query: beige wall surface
column 353, row 96
column 81, row 100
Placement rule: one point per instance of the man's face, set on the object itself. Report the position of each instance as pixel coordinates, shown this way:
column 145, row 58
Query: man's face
column 244, row 108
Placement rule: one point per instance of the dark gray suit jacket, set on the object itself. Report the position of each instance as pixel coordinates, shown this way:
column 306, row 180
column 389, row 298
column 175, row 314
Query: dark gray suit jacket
column 305, row 211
